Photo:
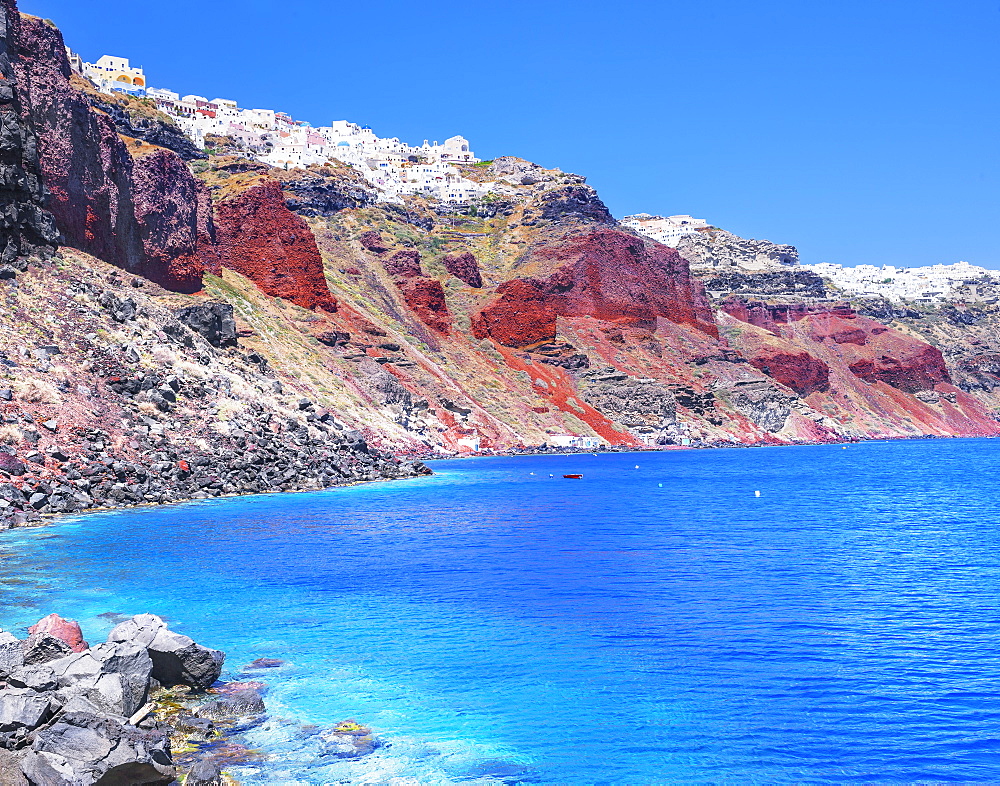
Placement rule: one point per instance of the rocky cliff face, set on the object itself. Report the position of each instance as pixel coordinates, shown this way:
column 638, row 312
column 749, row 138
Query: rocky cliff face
column 26, row 227
column 607, row 274
column 331, row 329
column 123, row 201
column 261, row 238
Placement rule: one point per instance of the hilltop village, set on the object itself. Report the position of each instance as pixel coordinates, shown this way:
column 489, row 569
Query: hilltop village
column 396, row 169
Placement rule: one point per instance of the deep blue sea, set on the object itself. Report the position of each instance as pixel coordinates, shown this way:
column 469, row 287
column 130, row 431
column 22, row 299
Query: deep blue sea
column 653, row 622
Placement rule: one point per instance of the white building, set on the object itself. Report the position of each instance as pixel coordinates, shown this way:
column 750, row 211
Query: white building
column 929, row 284
column 573, row 441
column 664, row 229
column 114, row 74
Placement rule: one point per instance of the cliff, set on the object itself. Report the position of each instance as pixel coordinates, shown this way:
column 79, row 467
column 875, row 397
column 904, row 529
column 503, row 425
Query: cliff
column 27, row 228
column 284, row 329
column 124, row 201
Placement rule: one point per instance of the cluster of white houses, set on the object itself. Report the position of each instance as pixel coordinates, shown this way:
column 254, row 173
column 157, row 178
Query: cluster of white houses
column 664, row 229
column 930, row 284
column 278, row 140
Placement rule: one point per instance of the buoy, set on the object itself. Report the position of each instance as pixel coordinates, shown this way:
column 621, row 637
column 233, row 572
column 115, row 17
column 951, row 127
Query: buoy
column 756, row 493
column 844, row 448
column 660, row 485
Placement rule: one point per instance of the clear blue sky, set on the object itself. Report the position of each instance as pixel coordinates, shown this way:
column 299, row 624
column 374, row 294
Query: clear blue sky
column 862, row 132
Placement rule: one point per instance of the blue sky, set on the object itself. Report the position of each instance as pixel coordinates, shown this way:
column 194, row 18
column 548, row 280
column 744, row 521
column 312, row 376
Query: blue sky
column 862, row 132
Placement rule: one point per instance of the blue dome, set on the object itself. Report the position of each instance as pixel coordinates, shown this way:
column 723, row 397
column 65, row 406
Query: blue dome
column 343, row 144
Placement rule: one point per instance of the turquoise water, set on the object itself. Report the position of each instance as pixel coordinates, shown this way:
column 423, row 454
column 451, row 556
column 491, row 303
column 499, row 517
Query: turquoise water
column 637, row 626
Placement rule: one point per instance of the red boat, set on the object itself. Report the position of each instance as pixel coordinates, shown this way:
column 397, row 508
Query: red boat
column 574, row 477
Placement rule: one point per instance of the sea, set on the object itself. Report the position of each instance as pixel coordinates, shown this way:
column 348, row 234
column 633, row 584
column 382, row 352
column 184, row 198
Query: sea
column 796, row 614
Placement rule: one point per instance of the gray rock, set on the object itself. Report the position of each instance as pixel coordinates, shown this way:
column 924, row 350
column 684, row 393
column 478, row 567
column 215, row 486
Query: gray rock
column 204, row 773
column 177, row 660
column 82, row 748
column 213, row 321
column 121, row 309
column 42, row 648
column 37, row 678
column 22, row 708
column 6, row 394
column 11, row 654
column 114, row 677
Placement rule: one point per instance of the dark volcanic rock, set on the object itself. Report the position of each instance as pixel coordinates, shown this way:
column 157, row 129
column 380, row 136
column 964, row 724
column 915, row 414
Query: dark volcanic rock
column 26, row 226
column 131, row 205
column 84, row 748
column 213, row 321
column 578, row 202
column 794, row 281
column 42, row 648
column 372, row 241
column 325, row 190
column 155, row 128
column 404, row 264
column 177, row 660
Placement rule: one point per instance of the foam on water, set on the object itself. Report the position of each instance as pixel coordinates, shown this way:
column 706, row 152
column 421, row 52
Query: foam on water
column 666, row 624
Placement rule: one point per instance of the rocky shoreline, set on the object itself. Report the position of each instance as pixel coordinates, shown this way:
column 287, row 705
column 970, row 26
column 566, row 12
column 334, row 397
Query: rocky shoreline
column 144, row 707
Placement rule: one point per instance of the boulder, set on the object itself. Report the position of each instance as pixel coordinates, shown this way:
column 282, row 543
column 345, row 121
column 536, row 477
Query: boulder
column 82, row 748
column 11, row 654
column 11, row 464
column 22, row 708
column 37, row 678
column 372, row 241
column 66, row 630
column 177, row 660
column 114, row 677
column 205, row 773
column 348, row 740
column 42, row 648
column 213, row 321
column 10, row 769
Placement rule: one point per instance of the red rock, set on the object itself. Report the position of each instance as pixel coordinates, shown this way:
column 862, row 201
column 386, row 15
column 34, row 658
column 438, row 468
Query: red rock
column 64, row 630
column 426, row 297
column 149, row 217
column 259, row 237
column 770, row 315
column 372, row 241
column 790, row 366
column 606, row 273
column 464, row 267
column 874, row 352
column 404, row 263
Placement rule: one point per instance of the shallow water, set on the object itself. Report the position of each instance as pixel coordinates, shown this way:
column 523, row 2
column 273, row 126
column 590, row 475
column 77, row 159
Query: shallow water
column 637, row 626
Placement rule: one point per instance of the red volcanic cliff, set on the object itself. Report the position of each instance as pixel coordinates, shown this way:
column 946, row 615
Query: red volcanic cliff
column 259, row 237
column 142, row 216
column 607, row 274
column 424, row 295
column 874, row 352
column 770, row 315
column 464, row 267
column 786, row 363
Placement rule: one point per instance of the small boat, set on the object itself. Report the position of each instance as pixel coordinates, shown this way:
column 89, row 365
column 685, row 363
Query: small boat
column 574, row 477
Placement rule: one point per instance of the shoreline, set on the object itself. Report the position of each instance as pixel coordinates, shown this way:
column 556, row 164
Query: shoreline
column 39, row 520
